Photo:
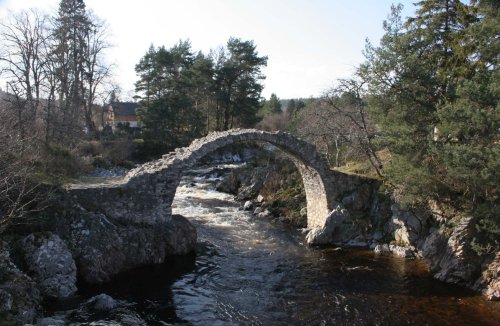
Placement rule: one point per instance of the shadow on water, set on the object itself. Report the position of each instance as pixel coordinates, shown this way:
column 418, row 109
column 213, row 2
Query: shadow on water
column 148, row 287
column 254, row 271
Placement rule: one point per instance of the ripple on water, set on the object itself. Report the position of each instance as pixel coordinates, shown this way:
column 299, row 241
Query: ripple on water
column 250, row 271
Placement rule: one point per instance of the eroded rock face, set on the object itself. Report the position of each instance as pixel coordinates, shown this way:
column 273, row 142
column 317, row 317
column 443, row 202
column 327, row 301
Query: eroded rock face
column 460, row 265
column 103, row 247
column 407, row 227
column 325, row 234
column 489, row 282
column 50, row 263
column 19, row 297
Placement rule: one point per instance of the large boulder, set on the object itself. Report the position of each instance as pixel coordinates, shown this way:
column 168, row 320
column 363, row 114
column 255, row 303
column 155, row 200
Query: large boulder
column 50, row 263
column 103, row 246
column 325, row 234
column 460, row 264
column 20, row 300
column 408, row 228
column 434, row 248
column 250, row 189
column 489, row 282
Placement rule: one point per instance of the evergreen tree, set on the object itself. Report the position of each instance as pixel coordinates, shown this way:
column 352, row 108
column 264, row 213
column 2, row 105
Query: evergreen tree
column 291, row 107
column 434, row 92
column 271, row 107
column 166, row 105
column 78, row 56
column 71, row 30
column 183, row 95
column 237, row 81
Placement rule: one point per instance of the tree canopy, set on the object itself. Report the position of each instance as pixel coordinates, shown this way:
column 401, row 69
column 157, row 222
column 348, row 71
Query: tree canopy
column 183, row 95
column 433, row 86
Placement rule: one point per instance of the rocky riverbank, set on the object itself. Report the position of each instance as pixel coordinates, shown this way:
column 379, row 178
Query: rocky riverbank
column 367, row 216
column 66, row 242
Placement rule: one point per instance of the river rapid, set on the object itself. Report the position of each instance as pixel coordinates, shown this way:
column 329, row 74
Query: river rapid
column 255, row 271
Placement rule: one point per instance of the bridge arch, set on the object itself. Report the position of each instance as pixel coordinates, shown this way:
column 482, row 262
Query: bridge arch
column 163, row 176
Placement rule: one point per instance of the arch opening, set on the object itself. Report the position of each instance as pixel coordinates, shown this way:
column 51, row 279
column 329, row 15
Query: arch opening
column 310, row 164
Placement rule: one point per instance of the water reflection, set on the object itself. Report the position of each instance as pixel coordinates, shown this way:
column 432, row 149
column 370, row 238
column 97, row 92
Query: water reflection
column 250, row 271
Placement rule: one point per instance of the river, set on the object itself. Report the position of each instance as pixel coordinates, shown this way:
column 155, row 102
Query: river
column 254, row 271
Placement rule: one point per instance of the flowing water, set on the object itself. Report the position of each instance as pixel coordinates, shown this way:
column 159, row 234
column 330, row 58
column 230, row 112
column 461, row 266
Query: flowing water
column 251, row 271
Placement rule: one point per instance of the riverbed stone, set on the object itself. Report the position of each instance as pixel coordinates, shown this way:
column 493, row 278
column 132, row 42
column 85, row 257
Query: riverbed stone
column 248, row 205
column 399, row 251
column 382, row 249
column 104, row 310
column 51, row 264
column 102, row 302
column 264, row 214
column 258, row 210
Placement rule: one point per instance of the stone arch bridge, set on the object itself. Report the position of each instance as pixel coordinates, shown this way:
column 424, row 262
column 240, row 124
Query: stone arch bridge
column 146, row 193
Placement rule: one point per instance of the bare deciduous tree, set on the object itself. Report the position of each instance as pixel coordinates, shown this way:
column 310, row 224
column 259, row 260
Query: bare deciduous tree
column 338, row 122
column 23, row 64
column 18, row 191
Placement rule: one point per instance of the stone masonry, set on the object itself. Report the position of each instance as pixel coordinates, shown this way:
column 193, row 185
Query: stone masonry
column 146, row 193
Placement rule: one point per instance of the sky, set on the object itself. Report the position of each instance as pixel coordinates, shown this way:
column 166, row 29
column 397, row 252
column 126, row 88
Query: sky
column 309, row 43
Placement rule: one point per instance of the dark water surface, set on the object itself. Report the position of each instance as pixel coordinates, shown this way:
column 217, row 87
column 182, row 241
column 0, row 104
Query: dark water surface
column 250, row 271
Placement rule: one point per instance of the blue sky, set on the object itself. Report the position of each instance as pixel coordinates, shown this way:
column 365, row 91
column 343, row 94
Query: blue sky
column 310, row 43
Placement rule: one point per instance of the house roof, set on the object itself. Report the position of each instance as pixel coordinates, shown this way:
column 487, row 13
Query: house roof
column 124, row 108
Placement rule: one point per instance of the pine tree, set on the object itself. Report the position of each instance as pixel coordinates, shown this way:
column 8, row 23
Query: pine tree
column 71, row 30
column 272, row 106
column 238, row 87
column 434, row 92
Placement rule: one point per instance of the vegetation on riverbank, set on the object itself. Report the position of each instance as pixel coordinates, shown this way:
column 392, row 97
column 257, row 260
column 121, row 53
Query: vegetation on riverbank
column 421, row 113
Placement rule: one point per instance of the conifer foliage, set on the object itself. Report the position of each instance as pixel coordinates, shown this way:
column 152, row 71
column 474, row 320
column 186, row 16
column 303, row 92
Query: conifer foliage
column 434, row 88
column 183, row 95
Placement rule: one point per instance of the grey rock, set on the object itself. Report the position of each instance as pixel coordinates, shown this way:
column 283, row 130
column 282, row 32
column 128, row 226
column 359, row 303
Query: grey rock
column 102, row 302
column 406, row 226
column 324, row 235
column 113, row 313
column 5, row 301
column 303, row 212
column 230, row 184
column 260, row 199
column 382, row 249
column 104, row 246
column 264, row 214
column 20, row 300
column 50, row 262
column 460, row 264
column 489, row 282
column 434, row 248
column 248, row 205
column 377, row 235
column 399, row 251
column 258, row 210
